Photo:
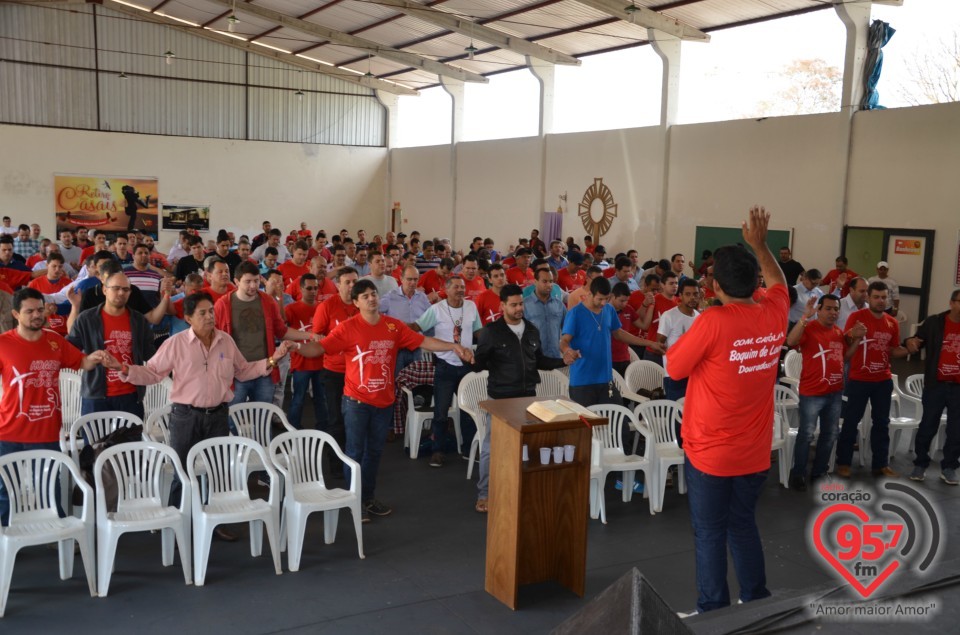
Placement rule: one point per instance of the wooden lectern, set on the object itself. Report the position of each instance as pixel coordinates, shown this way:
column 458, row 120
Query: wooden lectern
column 537, row 519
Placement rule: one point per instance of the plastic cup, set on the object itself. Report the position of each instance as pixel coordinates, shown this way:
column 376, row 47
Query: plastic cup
column 544, row 456
column 558, row 454
column 568, row 451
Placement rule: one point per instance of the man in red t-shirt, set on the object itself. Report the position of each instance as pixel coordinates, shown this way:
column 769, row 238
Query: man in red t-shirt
column 124, row 333
column 869, row 379
column 650, row 316
column 368, row 344
column 731, row 354
column 54, row 281
column 488, row 303
column 218, row 279
column 521, row 274
column 940, row 335
column 470, row 272
column 433, row 281
column 30, row 415
column 572, row 277
column 620, row 351
column 837, row 278
column 823, row 348
column 307, row 371
column 297, row 265
column 329, row 314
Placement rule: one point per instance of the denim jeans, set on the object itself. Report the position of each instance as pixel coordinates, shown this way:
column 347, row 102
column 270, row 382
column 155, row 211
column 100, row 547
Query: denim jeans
column 858, row 394
column 675, row 388
column 723, row 512
column 827, row 409
column 302, row 379
column 189, row 427
column 124, row 403
column 333, row 394
column 367, row 428
column 278, row 389
column 405, row 357
column 936, row 397
column 259, row 390
column 9, row 447
column 446, row 380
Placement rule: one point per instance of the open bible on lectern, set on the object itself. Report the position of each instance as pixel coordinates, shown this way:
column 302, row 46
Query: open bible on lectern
column 559, row 410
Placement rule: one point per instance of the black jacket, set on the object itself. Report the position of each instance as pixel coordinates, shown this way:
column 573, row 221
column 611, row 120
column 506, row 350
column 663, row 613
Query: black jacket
column 513, row 363
column 931, row 332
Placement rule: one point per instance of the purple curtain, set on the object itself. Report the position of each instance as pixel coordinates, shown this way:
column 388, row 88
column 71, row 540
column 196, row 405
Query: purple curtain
column 551, row 226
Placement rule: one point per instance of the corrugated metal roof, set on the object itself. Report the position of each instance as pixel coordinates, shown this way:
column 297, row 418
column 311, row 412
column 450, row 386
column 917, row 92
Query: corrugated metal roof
column 566, row 26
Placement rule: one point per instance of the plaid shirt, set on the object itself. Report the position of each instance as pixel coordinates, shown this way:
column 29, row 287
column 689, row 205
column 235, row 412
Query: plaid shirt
column 25, row 248
column 416, row 374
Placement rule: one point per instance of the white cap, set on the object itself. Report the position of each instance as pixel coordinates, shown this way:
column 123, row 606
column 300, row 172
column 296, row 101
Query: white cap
column 883, row 265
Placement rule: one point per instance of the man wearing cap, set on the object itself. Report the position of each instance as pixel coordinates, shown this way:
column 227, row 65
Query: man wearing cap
column 893, row 297
column 599, row 256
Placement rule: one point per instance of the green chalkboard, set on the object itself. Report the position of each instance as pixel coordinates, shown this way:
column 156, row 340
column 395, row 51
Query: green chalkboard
column 713, row 237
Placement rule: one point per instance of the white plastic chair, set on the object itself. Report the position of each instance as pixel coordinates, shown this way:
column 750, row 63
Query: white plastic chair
column 254, row 420
column 792, row 367
column 70, row 385
column 644, row 375
column 633, row 355
column 553, row 384
column 157, row 427
column 224, row 461
column 598, row 504
column 613, row 457
column 786, row 403
column 299, row 458
column 782, row 445
column 900, row 423
column 141, row 505
column 660, row 417
column 91, row 428
column 416, row 421
column 156, row 397
column 30, row 479
column 471, row 391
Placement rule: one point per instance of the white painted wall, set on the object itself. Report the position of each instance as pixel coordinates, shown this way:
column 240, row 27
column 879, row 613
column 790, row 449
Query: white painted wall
column 794, row 166
column 421, row 179
column 904, row 173
column 245, row 182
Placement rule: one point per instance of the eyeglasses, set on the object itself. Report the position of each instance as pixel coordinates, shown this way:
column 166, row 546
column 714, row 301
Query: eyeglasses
column 119, row 289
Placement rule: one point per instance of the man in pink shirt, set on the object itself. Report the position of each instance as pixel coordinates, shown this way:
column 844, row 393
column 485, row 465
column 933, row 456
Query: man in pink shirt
column 204, row 362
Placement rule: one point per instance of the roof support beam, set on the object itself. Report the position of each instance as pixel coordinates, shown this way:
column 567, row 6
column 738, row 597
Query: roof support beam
column 483, row 33
column 642, row 16
column 287, row 58
column 369, row 46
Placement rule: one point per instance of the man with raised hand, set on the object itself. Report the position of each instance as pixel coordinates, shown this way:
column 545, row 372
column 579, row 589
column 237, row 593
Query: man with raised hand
column 823, row 348
column 731, row 355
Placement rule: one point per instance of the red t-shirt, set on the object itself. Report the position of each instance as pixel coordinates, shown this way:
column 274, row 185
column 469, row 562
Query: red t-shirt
column 948, row 367
column 370, row 351
column 291, row 272
column 822, row 351
column 871, row 362
column 661, row 304
column 57, row 323
column 628, row 316
column 300, row 317
column 620, row 350
column 86, row 253
column 397, row 274
column 432, row 282
column 30, row 408
column 831, row 278
column 34, row 259
column 329, row 314
column 488, row 304
column 216, row 296
column 48, row 286
column 118, row 341
column 570, row 282
column 731, row 354
column 523, row 278
column 14, row 277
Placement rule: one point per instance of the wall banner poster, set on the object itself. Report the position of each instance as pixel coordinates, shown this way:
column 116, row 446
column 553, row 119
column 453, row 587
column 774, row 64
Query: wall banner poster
column 106, row 203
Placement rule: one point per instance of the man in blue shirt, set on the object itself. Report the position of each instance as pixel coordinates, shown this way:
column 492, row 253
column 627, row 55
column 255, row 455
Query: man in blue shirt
column 406, row 303
column 546, row 312
column 556, row 259
column 587, row 330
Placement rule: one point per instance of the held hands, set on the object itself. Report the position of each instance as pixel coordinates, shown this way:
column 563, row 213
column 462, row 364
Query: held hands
column 649, row 299
column 166, row 286
column 858, row 331
column 755, row 229
column 570, row 355
column 465, row 354
column 107, row 360
column 285, row 347
column 657, row 347
column 914, row 344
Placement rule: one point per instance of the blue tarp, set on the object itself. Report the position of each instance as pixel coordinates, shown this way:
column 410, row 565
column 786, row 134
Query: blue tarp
column 880, row 34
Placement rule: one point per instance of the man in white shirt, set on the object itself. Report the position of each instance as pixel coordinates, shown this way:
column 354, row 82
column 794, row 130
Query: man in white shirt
column 893, row 295
column 454, row 320
column 273, row 240
column 809, row 286
column 673, row 324
column 855, row 300
column 71, row 252
column 7, row 227
column 385, row 283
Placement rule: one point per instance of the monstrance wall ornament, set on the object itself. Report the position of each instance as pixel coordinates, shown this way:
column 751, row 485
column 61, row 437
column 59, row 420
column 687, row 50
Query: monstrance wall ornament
column 597, row 227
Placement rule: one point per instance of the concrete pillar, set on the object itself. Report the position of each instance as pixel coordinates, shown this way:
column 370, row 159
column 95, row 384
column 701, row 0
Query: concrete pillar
column 390, row 101
column 454, row 88
column 668, row 48
column 544, row 72
column 856, row 18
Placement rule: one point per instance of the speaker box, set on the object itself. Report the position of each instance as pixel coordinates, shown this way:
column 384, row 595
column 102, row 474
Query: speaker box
column 628, row 606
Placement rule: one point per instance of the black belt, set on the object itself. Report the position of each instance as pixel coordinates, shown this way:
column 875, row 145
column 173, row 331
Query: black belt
column 206, row 411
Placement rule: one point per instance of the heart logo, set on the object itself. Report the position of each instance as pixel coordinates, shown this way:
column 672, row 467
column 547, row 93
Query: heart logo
column 856, row 548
